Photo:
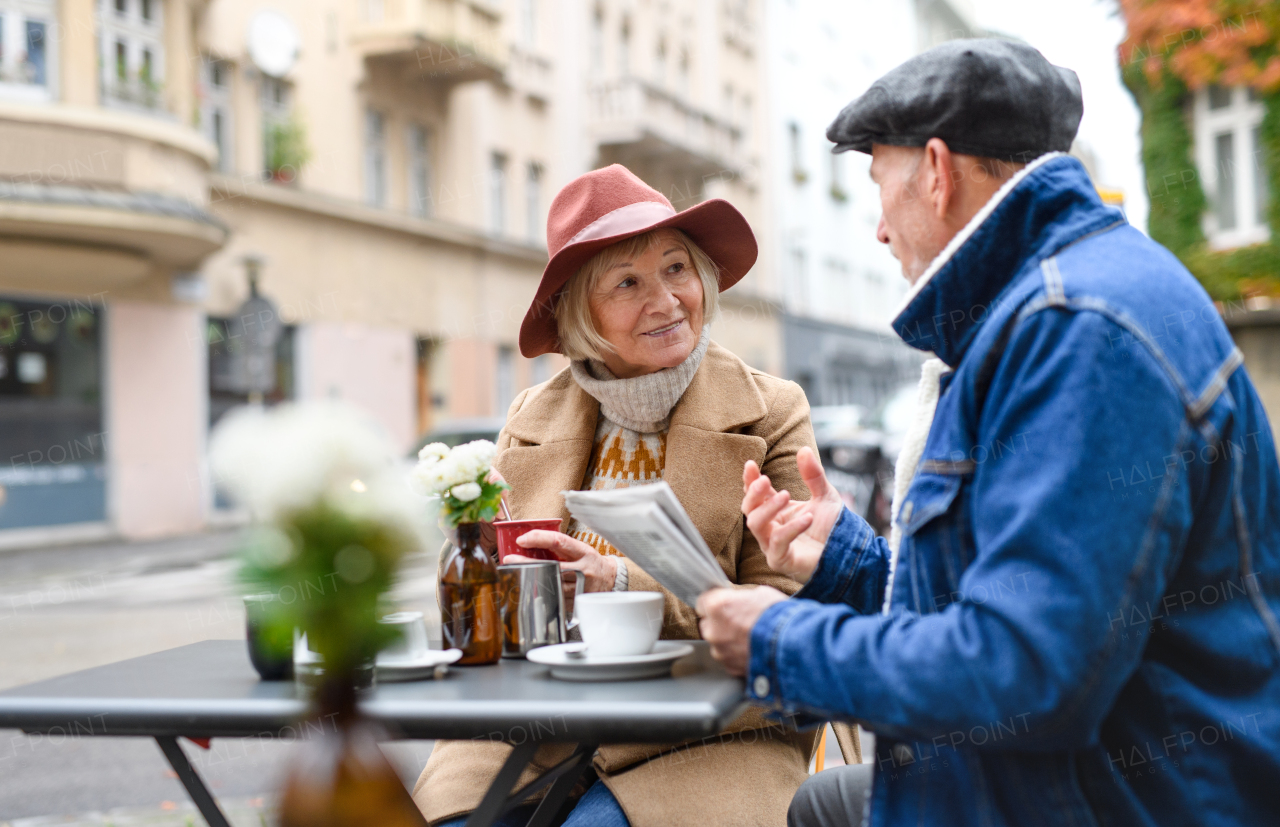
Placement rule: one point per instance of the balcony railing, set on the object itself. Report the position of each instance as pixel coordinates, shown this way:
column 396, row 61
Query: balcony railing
column 450, row 41
column 134, row 93
column 637, row 117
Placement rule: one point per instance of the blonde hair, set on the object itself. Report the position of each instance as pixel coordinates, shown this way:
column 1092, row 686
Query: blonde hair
column 579, row 338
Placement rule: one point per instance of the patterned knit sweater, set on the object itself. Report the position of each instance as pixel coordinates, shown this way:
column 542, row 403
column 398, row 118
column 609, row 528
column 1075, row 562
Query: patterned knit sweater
column 631, row 435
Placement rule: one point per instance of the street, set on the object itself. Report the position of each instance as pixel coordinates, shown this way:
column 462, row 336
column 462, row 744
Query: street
column 65, row 609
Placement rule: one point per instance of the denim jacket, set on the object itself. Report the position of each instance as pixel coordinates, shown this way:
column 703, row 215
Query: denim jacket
column 1082, row 625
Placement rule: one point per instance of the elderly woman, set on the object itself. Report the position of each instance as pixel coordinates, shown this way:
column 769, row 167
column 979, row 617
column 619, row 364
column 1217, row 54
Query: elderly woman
column 627, row 295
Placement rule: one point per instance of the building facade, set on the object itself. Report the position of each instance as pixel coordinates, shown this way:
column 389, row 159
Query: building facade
column 840, row 287
column 382, row 168
column 1227, row 140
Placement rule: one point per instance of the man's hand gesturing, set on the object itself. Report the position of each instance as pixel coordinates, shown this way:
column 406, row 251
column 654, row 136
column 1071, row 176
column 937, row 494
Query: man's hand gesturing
column 792, row 533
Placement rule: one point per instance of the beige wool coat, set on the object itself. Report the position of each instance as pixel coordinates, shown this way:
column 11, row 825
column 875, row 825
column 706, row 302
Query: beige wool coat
column 729, row 414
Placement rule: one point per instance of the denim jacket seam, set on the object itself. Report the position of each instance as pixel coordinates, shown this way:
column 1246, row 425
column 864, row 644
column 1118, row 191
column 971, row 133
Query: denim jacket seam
column 850, row 572
column 1117, row 317
column 775, row 635
column 843, row 574
column 1063, row 716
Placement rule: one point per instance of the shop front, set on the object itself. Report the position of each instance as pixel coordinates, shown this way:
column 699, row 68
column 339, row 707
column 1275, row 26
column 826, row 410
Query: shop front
column 52, row 440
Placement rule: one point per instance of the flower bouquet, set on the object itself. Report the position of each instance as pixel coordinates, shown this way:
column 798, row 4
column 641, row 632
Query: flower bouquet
column 459, row 477
column 467, row 586
column 332, row 522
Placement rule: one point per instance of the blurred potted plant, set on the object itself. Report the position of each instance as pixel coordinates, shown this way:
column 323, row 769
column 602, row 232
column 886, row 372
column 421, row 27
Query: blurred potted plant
column 332, row 522
column 287, row 149
column 467, row 586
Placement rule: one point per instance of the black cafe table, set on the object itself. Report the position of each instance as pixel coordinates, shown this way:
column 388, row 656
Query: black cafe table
column 209, row 690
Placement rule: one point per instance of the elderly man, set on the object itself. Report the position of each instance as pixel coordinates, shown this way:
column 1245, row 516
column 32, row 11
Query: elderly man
column 1073, row 621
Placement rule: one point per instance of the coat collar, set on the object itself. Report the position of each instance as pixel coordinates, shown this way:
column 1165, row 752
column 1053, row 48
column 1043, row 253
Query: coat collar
column 1048, row 204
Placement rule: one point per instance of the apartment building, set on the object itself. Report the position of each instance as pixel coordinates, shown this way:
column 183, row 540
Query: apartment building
column 840, row 287
column 360, row 184
column 1231, row 159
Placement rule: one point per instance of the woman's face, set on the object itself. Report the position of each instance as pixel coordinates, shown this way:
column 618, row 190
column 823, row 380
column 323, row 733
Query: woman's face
column 649, row 308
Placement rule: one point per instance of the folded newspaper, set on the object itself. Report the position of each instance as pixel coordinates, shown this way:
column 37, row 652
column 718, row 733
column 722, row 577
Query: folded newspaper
column 648, row 524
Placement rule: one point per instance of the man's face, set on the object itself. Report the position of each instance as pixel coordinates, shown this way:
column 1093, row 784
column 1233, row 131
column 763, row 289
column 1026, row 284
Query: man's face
column 909, row 222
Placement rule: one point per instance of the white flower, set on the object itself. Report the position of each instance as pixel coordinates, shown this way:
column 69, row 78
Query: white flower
column 433, row 453
column 466, row 492
column 296, row 455
column 438, row 472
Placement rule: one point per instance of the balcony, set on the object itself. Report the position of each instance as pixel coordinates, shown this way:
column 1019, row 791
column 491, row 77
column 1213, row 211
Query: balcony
column 446, row 41
column 646, row 128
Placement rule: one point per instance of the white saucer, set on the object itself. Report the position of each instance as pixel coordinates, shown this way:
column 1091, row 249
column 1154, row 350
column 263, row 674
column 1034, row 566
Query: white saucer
column 417, row 667
column 629, row 668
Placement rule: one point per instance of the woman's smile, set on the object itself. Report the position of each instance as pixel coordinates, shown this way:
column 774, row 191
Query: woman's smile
column 666, row 329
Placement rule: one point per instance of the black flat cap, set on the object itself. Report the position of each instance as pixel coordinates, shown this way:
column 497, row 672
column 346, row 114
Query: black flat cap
column 990, row 98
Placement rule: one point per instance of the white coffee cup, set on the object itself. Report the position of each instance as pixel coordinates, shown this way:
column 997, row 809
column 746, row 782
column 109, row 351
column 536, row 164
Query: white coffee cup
column 412, row 642
column 618, row 624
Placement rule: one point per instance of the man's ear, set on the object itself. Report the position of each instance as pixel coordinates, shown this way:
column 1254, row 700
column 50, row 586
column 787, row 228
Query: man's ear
column 940, row 171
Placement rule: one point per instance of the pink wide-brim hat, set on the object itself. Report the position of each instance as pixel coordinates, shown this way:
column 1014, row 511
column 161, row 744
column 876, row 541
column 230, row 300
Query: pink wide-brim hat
column 608, row 205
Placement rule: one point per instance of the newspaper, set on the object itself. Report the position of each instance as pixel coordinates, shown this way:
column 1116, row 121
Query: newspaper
column 648, row 524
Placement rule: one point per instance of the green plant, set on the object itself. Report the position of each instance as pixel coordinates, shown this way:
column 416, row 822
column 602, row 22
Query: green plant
column 287, row 150
column 1173, row 47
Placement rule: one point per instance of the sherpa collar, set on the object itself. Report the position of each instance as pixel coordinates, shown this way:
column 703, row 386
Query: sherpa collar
column 1045, row 206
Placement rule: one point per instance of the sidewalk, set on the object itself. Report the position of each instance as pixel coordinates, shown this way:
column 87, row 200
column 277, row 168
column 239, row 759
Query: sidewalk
column 247, row 812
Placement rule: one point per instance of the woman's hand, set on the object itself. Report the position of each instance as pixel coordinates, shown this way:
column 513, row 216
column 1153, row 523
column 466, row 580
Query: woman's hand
column 792, row 533
column 574, row 555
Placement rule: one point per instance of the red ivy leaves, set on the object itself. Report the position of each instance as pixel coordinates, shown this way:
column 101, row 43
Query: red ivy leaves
column 1232, row 42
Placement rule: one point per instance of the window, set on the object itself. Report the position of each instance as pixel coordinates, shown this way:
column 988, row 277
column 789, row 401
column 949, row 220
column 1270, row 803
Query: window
column 597, row 42
column 505, row 379
column 798, row 173
column 533, row 202
column 838, row 192
column 682, row 79
column 799, row 279
column 660, row 64
column 1224, row 201
column 624, row 50
column 216, row 109
column 375, row 159
column 132, row 32
column 1261, row 189
column 497, row 193
column 282, row 151
column 727, row 104
column 52, row 443
column 1229, row 154
column 541, row 369
column 745, row 120
column 26, row 48
column 419, row 170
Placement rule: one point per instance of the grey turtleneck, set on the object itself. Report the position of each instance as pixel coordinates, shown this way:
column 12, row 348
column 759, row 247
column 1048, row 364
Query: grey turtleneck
column 642, row 404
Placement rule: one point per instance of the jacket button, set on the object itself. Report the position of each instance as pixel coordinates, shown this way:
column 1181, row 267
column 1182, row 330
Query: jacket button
column 902, row 754
column 761, row 686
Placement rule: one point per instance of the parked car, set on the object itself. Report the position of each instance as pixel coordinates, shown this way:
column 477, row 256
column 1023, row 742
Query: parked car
column 458, row 431
column 859, row 455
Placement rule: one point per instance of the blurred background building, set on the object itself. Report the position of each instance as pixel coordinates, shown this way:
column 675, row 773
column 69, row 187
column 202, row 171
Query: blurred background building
column 380, row 170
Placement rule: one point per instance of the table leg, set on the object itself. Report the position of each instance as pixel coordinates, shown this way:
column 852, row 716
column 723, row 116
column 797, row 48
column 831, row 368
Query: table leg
column 562, row 787
column 495, row 800
column 191, row 780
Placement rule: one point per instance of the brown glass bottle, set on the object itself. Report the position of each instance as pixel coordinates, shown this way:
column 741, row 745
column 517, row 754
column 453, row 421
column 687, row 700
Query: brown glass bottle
column 342, row 778
column 469, row 599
